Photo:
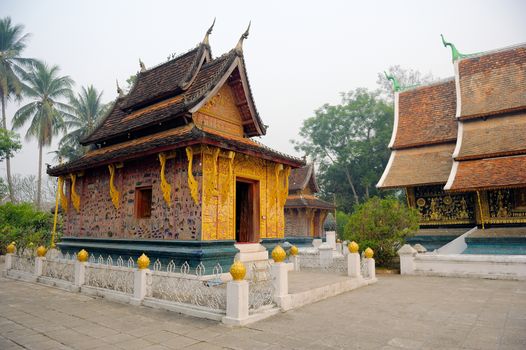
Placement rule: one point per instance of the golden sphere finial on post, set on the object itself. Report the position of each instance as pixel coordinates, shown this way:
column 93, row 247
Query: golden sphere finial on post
column 369, row 253
column 143, row 262
column 41, row 251
column 82, row 256
column 279, row 254
column 294, row 250
column 238, row 270
column 353, row 247
column 11, row 248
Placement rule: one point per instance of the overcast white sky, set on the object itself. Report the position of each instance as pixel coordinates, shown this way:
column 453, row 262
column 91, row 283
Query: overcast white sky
column 300, row 54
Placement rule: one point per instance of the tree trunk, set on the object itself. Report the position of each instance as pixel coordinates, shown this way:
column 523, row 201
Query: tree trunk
column 349, row 179
column 39, row 177
column 7, row 160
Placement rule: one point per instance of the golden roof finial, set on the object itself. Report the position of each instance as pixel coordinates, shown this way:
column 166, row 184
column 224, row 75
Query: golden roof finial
column 119, row 90
column 208, row 32
column 141, row 64
column 239, row 46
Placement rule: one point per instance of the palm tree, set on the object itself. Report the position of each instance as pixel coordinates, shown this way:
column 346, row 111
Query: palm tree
column 12, row 65
column 87, row 110
column 46, row 112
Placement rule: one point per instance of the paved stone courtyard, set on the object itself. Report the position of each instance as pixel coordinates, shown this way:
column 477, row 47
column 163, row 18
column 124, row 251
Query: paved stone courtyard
column 396, row 313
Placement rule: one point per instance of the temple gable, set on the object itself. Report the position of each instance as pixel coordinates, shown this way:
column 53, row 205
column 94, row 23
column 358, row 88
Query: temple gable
column 220, row 114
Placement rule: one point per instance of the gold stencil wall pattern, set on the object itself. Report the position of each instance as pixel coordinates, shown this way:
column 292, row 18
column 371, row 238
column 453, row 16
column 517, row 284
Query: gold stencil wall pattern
column 218, row 205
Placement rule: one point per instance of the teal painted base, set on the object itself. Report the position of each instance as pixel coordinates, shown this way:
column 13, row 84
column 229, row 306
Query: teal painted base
column 194, row 252
column 271, row 243
column 299, row 241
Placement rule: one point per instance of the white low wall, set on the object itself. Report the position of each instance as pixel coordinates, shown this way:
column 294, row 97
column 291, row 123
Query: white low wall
column 462, row 265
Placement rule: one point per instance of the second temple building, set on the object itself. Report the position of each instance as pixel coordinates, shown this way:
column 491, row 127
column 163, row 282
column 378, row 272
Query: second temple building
column 459, row 148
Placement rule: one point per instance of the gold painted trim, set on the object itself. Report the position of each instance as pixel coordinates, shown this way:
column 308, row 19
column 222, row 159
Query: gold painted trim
column 192, row 182
column 75, row 198
column 165, row 186
column 114, row 193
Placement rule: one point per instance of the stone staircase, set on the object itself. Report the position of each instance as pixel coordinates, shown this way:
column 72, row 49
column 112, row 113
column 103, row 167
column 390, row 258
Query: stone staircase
column 256, row 260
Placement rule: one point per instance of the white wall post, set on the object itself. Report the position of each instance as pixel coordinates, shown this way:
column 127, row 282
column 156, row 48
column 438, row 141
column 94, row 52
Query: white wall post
column 39, row 263
column 316, row 242
column 371, row 268
column 345, row 249
column 353, row 265
column 407, row 259
column 325, row 254
column 236, row 302
column 139, row 286
column 8, row 264
column 330, row 239
column 80, row 273
column 280, row 281
column 295, row 262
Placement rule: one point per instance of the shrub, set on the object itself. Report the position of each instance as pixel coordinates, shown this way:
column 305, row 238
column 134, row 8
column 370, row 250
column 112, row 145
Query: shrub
column 24, row 225
column 341, row 221
column 383, row 225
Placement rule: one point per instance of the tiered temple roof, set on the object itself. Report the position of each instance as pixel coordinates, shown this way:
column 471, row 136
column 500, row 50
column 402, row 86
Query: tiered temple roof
column 158, row 112
column 302, row 187
column 423, row 136
column 491, row 147
column 486, row 103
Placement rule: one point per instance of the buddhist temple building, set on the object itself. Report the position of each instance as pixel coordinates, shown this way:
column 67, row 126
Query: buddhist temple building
column 458, row 147
column 174, row 170
column 305, row 214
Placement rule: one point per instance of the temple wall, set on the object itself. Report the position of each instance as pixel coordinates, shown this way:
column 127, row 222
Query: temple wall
column 219, row 194
column 304, row 222
column 99, row 218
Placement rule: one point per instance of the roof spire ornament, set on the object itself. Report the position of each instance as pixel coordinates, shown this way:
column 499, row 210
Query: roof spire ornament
column 239, row 46
column 119, row 90
column 393, row 80
column 454, row 52
column 141, row 64
column 208, row 32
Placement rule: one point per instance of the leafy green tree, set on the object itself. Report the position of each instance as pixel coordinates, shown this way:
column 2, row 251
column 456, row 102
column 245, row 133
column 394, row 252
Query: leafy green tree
column 24, row 225
column 9, row 144
column 383, row 225
column 12, row 66
column 349, row 143
column 46, row 112
column 87, row 110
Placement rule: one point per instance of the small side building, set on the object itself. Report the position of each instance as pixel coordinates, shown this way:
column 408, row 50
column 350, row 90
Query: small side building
column 305, row 214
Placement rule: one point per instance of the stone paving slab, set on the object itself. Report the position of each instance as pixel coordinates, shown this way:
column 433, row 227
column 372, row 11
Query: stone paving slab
column 398, row 312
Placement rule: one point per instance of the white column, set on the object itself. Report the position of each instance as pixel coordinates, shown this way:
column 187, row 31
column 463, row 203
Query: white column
column 325, row 254
column 8, row 262
column 316, row 242
column 80, row 273
column 353, row 265
column 236, row 302
column 39, row 262
column 295, row 262
column 330, row 239
column 139, row 286
column 407, row 259
column 345, row 249
column 339, row 248
column 280, row 280
column 371, row 269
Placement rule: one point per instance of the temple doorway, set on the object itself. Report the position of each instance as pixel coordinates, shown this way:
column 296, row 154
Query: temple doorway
column 247, row 211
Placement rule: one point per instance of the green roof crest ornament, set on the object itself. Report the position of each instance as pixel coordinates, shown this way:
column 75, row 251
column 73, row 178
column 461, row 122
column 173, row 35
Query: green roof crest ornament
column 390, row 77
column 454, row 52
